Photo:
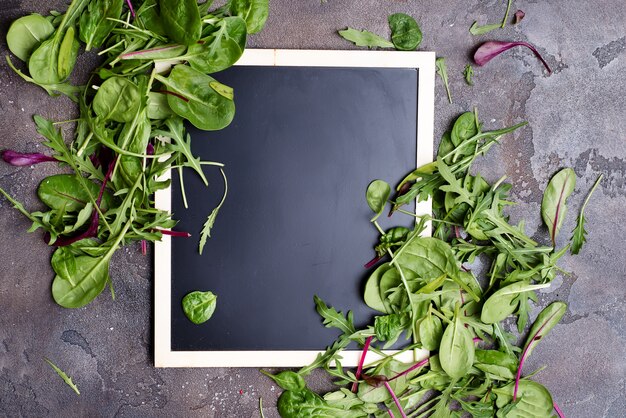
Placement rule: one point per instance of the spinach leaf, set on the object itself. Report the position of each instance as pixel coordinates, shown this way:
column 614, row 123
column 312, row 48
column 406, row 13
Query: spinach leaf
column 442, row 70
column 65, row 192
column 221, row 49
column 456, row 351
column 372, row 294
column 553, row 207
column 195, row 100
column 287, row 380
column 305, row 403
column 27, row 33
column 254, row 12
column 431, row 332
column 377, row 195
column 405, row 32
column 95, row 22
column 64, row 376
column 578, row 234
column 464, row 128
column 535, row 400
column 199, row 306
column 117, row 99
column 502, row 303
column 365, row 38
column 181, row 20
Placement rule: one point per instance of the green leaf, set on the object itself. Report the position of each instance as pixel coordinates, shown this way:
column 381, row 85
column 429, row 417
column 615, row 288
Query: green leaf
column 405, row 32
column 221, row 49
column 64, row 263
column 198, row 102
column 534, row 400
column 287, row 380
column 553, row 205
column 372, row 295
column 27, row 33
column 95, row 22
column 365, row 38
column 468, row 73
column 377, row 195
column 546, row 320
column 65, row 191
column 456, row 351
column 481, row 30
column 442, row 70
column 254, row 12
column 68, row 53
column 504, row 301
column 199, row 306
column 208, row 225
column 499, row 365
column 464, row 128
column 334, row 319
column 117, row 99
column 305, row 403
column 64, row 376
column 431, row 332
column 579, row 233
column 181, row 20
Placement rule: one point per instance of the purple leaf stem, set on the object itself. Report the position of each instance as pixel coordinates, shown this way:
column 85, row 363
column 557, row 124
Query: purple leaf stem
column 144, row 247
column 19, row 159
column 138, row 54
column 373, row 262
column 172, row 233
column 410, row 369
column 558, row 410
column 491, row 49
column 523, row 358
column 477, row 339
column 180, row 96
column 132, row 10
column 391, row 413
column 359, row 369
column 395, row 399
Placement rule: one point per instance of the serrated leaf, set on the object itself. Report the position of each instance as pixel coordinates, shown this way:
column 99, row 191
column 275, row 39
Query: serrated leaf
column 64, row 376
column 365, row 38
column 579, row 233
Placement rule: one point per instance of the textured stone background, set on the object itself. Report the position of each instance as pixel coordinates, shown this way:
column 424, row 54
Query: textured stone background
column 577, row 118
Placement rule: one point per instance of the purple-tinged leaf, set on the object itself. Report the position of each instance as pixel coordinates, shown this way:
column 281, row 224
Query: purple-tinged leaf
column 410, row 369
column 359, row 368
column 519, row 15
column 395, row 399
column 171, row 93
column 19, row 159
column 546, row 320
column 491, row 49
column 375, row 381
column 553, row 203
column 161, row 52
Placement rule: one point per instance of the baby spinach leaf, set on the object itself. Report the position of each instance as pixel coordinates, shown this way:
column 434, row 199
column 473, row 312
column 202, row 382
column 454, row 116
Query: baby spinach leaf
column 578, row 234
column 65, row 191
column 464, row 128
column 287, row 380
column 95, row 22
column 389, row 327
column 456, row 351
column 430, row 332
column 117, row 99
column 372, row 295
column 181, row 20
column 64, row 376
column 377, row 195
column 254, row 12
column 502, row 303
column 221, row 49
column 27, row 33
column 199, row 306
column 442, row 70
column 499, row 365
column 64, row 263
column 534, row 401
column 305, row 403
column 203, row 106
column 553, row 205
column 405, row 32
column 365, row 38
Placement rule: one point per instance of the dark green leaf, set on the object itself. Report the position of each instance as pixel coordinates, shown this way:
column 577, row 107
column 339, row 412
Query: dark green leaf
column 199, row 306
column 405, row 32
column 181, row 20
column 95, row 22
column 117, row 99
column 65, row 192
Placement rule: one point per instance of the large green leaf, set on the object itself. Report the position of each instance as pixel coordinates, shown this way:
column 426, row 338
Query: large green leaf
column 64, row 191
column 27, row 33
column 221, row 49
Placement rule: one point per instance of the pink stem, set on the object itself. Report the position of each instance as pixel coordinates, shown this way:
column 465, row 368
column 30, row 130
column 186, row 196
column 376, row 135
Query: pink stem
column 372, row 262
column 171, row 93
column 173, row 233
column 523, row 358
column 391, row 413
column 476, row 339
column 144, row 247
column 359, row 369
column 130, row 6
column 410, row 369
column 395, row 399
column 558, row 410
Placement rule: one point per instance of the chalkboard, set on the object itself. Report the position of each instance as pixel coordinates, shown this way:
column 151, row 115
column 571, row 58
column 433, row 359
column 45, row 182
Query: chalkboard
column 303, row 146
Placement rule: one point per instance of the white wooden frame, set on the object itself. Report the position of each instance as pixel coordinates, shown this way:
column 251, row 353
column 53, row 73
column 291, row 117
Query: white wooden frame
column 164, row 356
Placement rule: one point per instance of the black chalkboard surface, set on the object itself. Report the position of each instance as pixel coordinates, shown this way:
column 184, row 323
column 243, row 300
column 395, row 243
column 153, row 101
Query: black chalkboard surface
column 303, row 146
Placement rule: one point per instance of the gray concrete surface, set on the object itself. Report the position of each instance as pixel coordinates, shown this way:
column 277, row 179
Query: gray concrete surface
column 577, row 118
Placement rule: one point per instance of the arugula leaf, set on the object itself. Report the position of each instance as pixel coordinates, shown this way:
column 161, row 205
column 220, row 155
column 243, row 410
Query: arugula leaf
column 442, row 70
column 365, row 38
column 579, row 233
column 65, row 377
column 469, row 73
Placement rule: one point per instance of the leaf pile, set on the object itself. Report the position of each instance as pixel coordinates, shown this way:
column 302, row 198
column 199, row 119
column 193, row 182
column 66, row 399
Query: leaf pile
column 425, row 291
column 158, row 59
